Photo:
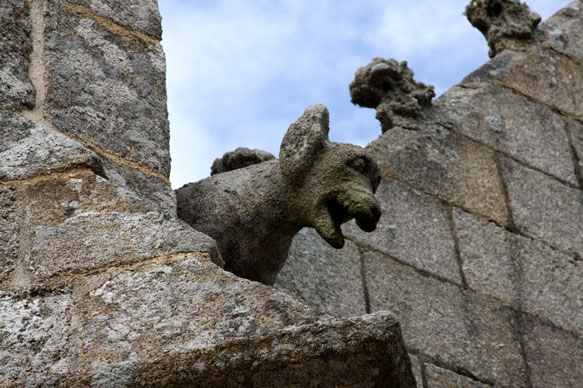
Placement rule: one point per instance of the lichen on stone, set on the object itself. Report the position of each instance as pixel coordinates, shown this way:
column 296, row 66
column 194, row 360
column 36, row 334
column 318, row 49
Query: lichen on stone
column 388, row 86
column 504, row 23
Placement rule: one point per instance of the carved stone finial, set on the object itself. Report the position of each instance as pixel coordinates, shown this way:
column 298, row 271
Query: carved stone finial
column 388, row 86
column 504, row 23
column 239, row 158
column 253, row 213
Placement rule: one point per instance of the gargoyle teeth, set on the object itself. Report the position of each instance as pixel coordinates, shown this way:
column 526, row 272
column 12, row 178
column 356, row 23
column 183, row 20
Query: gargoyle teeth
column 329, row 228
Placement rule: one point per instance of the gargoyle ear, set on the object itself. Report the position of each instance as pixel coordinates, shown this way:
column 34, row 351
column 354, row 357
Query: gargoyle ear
column 304, row 139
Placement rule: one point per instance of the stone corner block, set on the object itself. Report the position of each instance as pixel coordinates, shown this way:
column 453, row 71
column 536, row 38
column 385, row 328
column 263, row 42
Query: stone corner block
column 105, row 88
column 544, row 208
column 174, row 322
column 16, row 89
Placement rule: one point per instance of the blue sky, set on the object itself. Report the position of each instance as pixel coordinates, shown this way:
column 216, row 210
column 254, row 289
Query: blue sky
column 240, row 72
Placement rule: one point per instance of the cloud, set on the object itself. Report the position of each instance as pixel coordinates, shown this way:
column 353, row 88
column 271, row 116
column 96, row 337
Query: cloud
column 239, row 73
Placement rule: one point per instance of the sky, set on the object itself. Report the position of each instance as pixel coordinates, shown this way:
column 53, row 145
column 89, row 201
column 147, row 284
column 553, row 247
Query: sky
column 240, row 72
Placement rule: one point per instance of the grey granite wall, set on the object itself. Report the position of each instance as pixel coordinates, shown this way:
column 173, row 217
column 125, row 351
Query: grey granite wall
column 100, row 284
column 479, row 249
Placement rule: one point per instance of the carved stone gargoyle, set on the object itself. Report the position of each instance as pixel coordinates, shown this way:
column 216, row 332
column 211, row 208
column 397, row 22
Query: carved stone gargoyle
column 254, row 213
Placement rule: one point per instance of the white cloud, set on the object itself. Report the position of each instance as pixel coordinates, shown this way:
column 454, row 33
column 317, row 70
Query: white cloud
column 239, row 72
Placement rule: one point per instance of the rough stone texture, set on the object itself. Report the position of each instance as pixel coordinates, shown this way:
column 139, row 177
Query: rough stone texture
column 179, row 321
column 137, row 15
column 541, row 73
column 119, row 102
column 446, row 323
column 506, row 24
column 575, row 129
column 9, row 231
column 416, row 367
column 443, row 163
column 554, row 357
column 521, row 272
column 239, row 158
column 544, row 208
column 260, row 208
column 414, row 228
column 28, row 150
column 563, row 30
column 153, row 191
column 323, row 277
column 443, row 378
column 388, row 86
column 549, row 77
column 100, row 284
column 34, row 340
column 16, row 90
column 541, row 143
column 78, row 221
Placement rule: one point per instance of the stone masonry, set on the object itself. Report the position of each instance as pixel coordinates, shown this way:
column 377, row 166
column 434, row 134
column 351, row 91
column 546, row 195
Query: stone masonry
column 479, row 252
column 100, row 284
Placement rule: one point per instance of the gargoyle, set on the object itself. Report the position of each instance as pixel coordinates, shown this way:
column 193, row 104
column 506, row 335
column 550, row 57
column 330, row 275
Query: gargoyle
column 253, row 213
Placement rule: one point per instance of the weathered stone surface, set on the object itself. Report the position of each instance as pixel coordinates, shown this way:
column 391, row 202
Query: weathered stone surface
column 506, row 24
column 16, row 90
column 320, row 276
column 182, row 320
column 78, row 221
column 521, row 272
column 443, row 378
column 153, row 191
column 239, row 158
column 416, row 367
column 564, row 30
column 549, row 77
column 544, row 208
column 414, row 228
column 254, row 213
column 34, row 340
column 495, row 69
column 138, row 15
column 530, row 132
column 445, row 164
column 554, row 357
column 388, row 86
column 105, row 88
column 446, row 323
column 29, row 150
column 576, row 130
column 9, row 231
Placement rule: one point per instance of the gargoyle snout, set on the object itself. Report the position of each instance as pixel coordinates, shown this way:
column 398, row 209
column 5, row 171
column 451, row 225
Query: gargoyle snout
column 368, row 220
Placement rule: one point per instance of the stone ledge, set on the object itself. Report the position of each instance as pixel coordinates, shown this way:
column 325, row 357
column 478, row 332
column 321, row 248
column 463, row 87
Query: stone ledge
column 183, row 321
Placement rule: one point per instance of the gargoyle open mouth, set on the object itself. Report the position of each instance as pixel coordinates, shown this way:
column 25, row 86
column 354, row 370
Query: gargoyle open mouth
column 343, row 207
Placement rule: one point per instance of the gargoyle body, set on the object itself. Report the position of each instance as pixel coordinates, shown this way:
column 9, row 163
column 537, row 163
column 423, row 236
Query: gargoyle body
column 254, row 213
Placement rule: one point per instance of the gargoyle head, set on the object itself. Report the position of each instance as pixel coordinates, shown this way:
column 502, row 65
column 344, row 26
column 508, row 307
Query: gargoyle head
column 328, row 183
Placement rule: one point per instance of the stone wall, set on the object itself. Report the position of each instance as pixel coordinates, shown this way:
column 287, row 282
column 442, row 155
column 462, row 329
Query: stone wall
column 479, row 249
column 100, row 284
